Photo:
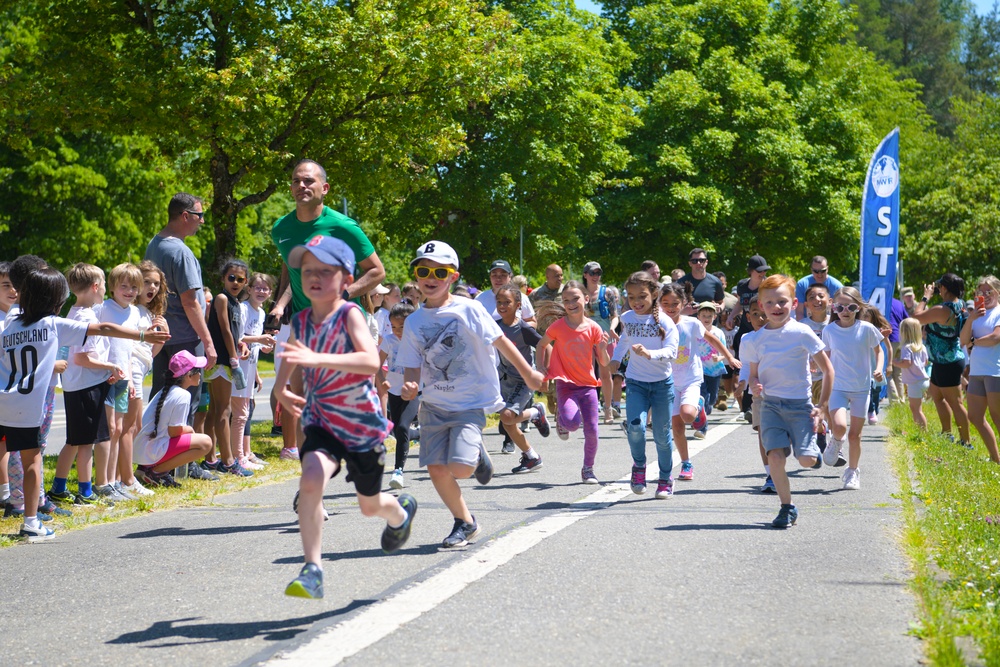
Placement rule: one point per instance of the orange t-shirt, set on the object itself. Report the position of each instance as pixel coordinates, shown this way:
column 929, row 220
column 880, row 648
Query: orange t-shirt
column 572, row 357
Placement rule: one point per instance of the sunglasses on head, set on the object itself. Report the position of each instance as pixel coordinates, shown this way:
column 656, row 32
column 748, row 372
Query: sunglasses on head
column 440, row 272
column 850, row 307
column 233, row 278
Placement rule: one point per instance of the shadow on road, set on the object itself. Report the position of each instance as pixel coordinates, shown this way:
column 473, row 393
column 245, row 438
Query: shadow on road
column 179, row 531
column 421, row 550
column 208, row 633
column 716, row 526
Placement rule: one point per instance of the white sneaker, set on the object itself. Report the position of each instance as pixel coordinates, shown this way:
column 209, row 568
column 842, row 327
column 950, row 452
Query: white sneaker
column 33, row 534
column 250, row 465
column 257, row 461
column 397, row 481
column 872, row 418
column 833, row 447
column 852, row 479
column 137, row 489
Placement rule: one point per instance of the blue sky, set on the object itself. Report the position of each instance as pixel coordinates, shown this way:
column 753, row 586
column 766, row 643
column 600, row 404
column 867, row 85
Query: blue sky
column 982, row 6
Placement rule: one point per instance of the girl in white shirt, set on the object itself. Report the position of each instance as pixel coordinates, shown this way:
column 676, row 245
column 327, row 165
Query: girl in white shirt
column 913, row 361
column 981, row 331
column 261, row 286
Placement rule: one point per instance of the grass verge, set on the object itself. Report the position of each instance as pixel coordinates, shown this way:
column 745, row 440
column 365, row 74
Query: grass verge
column 951, row 509
column 193, row 493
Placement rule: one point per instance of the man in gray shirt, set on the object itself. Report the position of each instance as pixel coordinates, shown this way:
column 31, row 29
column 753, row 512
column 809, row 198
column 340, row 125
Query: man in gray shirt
column 185, row 299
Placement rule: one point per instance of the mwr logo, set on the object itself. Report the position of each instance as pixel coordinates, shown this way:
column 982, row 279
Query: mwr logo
column 885, row 176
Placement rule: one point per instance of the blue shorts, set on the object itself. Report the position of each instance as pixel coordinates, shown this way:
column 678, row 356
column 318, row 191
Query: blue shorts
column 117, row 397
column 855, row 402
column 787, row 424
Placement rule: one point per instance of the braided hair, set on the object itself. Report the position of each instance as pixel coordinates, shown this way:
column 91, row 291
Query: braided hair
column 168, row 381
column 645, row 279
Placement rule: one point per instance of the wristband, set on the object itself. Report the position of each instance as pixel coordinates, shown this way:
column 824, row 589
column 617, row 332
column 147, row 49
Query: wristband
column 925, row 299
column 142, row 335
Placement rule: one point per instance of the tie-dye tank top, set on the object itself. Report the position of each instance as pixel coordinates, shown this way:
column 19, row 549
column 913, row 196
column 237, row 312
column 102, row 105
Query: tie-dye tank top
column 343, row 404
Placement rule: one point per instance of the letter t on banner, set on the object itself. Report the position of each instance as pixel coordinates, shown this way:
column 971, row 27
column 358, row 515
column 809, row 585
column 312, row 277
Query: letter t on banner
column 880, row 225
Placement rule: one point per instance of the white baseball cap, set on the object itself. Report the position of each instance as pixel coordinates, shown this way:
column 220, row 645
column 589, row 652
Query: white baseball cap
column 437, row 251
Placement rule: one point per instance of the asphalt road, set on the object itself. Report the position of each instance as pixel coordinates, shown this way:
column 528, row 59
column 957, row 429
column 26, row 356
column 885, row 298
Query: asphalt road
column 563, row 573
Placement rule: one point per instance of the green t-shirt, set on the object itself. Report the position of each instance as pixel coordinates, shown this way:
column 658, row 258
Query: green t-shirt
column 289, row 232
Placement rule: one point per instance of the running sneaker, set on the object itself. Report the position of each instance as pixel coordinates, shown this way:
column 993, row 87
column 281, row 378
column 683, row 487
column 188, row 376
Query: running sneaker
column 33, row 534
column 748, row 417
column 616, row 411
column 484, row 471
column 664, row 488
column 195, row 471
column 137, row 489
column 289, row 454
column 768, row 486
column 527, row 464
column 122, row 492
column 146, row 475
column 508, row 447
column 50, row 507
column 841, row 461
column 461, row 533
column 821, row 439
column 561, row 432
column 702, row 419
column 687, row 471
column 257, row 460
column 64, row 497
column 872, row 418
column 787, row 516
column 108, row 492
column 819, row 462
column 396, row 481
column 235, row 469
column 211, row 465
column 833, row 447
column 167, row 480
column 541, row 421
column 92, row 499
column 638, row 481
column 394, row 538
column 250, row 465
column 10, row 510
column 700, row 433
column 276, row 431
column 852, row 479
column 588, row 476
column 309, row 583
column 965, row 443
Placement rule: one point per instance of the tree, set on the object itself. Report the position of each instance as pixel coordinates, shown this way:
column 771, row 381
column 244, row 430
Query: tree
column 758, row 125
column 535, row 154
column 981, row 56
column 237, row 92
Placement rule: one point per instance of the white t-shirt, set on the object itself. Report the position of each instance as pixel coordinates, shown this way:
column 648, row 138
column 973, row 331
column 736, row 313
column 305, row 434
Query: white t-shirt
column 384, row 325
column 687, row 365
column 148, row 450
column 29, row 354
column 142, row 353
column 253, row 325
column 394, row 375
column 916, row 371
column 643, row 330
column 489, row 300
column 782, row 358
column 744, row 375
column 120, row 349
column 985, row 360
column 77, row 377
column 851, row 352
column 453, row 348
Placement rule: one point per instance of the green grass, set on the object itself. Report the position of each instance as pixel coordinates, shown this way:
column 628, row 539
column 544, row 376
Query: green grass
column 951, row 508
column 193, row 493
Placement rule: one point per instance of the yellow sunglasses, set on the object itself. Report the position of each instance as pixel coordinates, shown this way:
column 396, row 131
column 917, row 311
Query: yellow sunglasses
column 440, row 272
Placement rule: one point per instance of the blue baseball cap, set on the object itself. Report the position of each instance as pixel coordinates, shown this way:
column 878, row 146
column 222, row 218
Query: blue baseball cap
column 327, row 249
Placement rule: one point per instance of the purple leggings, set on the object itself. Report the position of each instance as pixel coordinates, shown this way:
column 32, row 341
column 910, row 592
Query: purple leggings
column 578, row 405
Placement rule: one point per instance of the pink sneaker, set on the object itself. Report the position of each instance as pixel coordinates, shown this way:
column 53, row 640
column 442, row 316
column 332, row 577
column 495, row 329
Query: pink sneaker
column 289, row 454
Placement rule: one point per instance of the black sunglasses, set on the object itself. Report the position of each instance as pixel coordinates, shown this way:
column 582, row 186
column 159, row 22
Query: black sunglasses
column 821, row 270
column 698, row 260
column 200, row 214
column 596, row 272
column 233, row 278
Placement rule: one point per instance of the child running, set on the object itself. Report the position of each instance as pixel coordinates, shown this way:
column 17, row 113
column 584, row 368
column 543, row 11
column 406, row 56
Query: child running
column 713, row 364
column 575, row 339
column 779, row 356
column 913, row 361
column 817, row 317
column 689, row 406
column 390, row 379
column 448, row 350
column 340, row 413
column 651, row 342
column 519, row 399
column 30, row 346
column 851, row 342
column 165, row 440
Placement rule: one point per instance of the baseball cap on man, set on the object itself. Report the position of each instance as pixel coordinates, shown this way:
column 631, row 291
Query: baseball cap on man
column 501, row 264
column 757, row 263
column 906, row 291
column 327, row 249
column 437, row 251
column 184, row 362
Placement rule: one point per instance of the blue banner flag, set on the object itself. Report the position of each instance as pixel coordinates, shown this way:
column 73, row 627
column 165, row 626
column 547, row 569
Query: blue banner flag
column 880, row 225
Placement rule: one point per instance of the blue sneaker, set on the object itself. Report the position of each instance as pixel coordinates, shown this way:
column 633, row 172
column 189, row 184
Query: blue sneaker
column 39, row 534
column 786, row 517
column 702, row 419
column 768, row 486
column 309, row 583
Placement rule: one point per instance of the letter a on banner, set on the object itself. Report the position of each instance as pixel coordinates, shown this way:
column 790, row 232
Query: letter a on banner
column 880, row 225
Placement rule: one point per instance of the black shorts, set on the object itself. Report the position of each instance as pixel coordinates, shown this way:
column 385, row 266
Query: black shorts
column 363, row 468
column 86, row 421
column 20, row 439
column 947, row 374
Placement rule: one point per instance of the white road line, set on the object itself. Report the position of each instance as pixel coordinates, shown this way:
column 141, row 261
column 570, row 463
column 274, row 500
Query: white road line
column 378, row 621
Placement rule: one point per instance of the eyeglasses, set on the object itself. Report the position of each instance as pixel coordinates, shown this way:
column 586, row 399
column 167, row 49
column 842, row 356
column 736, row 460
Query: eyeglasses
column 200, row 214
column 261, row 288
column 440, row 272
column 233, row 278
column 850, row 307
column 821, row 271
column 698, row 260
column 596, row 272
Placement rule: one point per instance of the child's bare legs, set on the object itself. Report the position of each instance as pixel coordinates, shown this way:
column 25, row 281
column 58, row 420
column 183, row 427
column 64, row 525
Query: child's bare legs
column 84, row 457
column 31, row 459
column 3, row 466
column 948, row 402
column 854, row 439
column 510, row 418
column 688, row 413
column 240, row 408
column 316, row 469
column 129, row 428
column 218, row 415
column 445, row 479
column 115, row 427
column 776, row 459
column 916, row 409
column 838, row 424
column 977, row 415
column 384, row 506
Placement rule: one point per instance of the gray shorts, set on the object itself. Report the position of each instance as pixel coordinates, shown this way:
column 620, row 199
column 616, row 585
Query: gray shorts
column 450, row 437
column 786, row 423
column 980, row 385
column 516, row 395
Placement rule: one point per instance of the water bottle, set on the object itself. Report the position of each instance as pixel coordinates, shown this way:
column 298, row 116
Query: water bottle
column 239, row 378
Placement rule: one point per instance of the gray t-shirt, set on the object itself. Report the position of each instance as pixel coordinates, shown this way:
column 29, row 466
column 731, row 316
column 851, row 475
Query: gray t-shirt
column 183, row 273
